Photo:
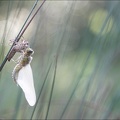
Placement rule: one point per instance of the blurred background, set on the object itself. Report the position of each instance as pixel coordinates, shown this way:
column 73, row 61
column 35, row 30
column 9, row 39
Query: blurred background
column 84, row 81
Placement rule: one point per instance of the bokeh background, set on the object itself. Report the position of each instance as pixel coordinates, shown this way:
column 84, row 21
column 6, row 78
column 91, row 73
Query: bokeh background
column 76, row 64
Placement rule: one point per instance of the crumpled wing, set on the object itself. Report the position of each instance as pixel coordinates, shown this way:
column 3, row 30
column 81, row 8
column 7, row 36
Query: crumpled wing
column 25, row 81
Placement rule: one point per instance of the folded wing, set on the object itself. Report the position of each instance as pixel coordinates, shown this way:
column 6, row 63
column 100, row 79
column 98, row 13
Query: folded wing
column 25, row 81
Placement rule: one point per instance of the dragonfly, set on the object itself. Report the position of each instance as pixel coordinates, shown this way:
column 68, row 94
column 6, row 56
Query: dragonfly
column 22, row 73
column 23, row 76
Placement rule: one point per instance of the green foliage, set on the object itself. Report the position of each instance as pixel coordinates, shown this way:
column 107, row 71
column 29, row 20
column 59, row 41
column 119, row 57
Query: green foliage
column 84, row 80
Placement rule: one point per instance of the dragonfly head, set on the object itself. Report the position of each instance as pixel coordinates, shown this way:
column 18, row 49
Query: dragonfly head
column 29, row 51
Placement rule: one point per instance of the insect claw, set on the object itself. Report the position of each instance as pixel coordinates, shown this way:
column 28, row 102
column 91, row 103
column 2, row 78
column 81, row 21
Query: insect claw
column 15, row 61
column 12, row 41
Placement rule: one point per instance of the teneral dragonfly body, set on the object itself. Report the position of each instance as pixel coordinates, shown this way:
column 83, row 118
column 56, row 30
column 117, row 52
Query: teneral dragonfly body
column 22, row 75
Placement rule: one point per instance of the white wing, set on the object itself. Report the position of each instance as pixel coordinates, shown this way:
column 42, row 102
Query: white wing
column 25, row 81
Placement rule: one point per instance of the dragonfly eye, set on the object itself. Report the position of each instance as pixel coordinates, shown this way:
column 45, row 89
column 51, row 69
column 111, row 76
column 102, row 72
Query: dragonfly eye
column 29, row 51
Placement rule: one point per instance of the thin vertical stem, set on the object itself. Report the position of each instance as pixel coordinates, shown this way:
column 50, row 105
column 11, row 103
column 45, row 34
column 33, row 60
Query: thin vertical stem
column 40, row 92
column 51, row 93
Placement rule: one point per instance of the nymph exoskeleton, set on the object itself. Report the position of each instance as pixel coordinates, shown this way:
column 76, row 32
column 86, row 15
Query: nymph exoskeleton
column 22, row 75
column 18, row 47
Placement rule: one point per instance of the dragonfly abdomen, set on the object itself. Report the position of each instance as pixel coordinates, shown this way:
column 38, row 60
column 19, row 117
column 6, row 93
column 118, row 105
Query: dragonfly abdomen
column 15, row 72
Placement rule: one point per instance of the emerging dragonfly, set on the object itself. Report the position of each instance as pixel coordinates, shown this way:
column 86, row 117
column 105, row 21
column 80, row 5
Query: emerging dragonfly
column 22, row 75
